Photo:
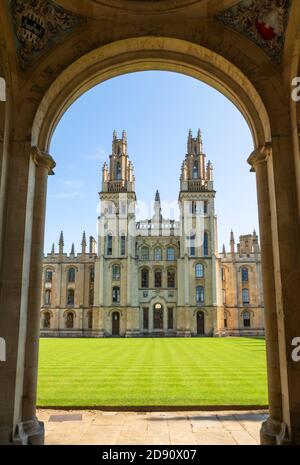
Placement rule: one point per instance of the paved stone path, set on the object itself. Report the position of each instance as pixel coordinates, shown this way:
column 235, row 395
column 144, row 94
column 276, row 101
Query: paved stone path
column 154, row 428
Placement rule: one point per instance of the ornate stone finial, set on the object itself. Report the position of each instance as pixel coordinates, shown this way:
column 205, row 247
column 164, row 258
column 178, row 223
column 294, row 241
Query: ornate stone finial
column 124, row 136
column 224, row 250
column 61, row 243
column 73, row 249
column 53, row 249
column 43, row 159
column 83, row 243
column 232, row 236
column 115, row 135
column 157, row 196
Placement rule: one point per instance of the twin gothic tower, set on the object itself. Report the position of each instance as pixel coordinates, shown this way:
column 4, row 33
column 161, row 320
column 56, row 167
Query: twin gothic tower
column 158, row 276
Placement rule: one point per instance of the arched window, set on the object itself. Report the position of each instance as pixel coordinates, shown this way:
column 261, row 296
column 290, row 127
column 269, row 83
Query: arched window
column 70, row 297
column 109, row 244
column 245, row 296
column 116, row 295
column 118, row 172
column 195, row 170
column 199, row 271
column 145, row 253
column 71, row 275
column 90, row 320
column 157, row 278
column 200, row 294
column 46, row 320
column 171, row 278
column 158, row 254
column 192, row 247
column 171, row 254
column 123, row 244
column 48, row 297
column 245, row 275
column 70, row 320
column 205, row 244
column 246, row 320
column 48, row 276
column 145, row 278
column 116, row 272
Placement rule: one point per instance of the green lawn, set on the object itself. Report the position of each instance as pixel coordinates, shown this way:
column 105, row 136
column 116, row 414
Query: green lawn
column 152, row 372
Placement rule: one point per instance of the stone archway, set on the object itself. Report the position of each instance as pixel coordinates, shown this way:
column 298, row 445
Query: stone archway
column 162, row 53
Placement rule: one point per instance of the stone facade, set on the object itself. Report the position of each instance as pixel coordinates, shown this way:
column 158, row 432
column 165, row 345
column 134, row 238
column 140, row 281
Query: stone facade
column 156, row 277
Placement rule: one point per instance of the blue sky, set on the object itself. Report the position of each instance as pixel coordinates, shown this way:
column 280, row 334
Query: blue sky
column 156, row 109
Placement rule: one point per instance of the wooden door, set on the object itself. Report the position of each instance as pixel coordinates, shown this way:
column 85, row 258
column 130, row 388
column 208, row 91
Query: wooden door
column 200, row 323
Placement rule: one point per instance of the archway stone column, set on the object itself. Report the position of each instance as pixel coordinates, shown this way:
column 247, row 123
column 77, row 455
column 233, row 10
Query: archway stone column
column 30, row 430
column 273, row 427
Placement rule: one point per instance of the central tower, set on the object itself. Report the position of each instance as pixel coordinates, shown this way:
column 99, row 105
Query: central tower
column 197, row 291
column 116, row 301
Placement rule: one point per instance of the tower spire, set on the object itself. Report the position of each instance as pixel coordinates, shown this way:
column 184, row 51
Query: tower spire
column 61, row 243
column 53, row 249
column 232, row 243
column 73, row 249
column 83, row 244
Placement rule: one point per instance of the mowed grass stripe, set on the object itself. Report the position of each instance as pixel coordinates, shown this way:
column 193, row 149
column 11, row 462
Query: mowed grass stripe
column 141, row 372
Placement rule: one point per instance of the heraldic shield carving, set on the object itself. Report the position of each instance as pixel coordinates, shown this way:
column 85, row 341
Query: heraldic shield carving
column 262, row 21
column 38, row 25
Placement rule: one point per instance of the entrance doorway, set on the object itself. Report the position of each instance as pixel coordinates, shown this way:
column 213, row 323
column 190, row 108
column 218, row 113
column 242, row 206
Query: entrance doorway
column 158, row 317
column 200, row 323
column 116, row 324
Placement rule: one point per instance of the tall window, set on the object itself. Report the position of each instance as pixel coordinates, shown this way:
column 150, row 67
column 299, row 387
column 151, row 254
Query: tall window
column 171, row 254
column 109, row 244
column 70, row 320
column 171, row 278
column 118, row 172
column 195, row 170
column 158, row 254
column 145, row 278
column 157, row 278
column 48, row 297
column 245, row 275
column 92, row 274
column 192, row 245
column 145, row 253
column 205, row 207
column 199, row 270
column 71, row 275
column 200, row 294
column 205, row 244
column 116, row 295
column 123, row 244
column 116, row 272
column 245, row 296
column 70, row 297
column 246, row 320
column 223, row 274
column 48, row 276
